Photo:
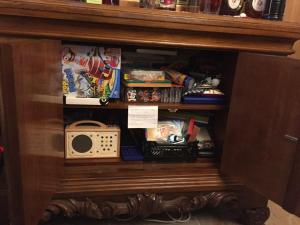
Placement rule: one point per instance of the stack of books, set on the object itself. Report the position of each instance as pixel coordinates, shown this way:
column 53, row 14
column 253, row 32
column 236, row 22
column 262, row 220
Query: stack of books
column 149, row 86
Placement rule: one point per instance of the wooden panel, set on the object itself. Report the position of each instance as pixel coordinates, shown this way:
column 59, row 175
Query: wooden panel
column 3, row 197
column 3, row 187
column 292, row 199
column 9, row 140
column 291, row 14
column 106, row 14
column 263, row 110
column 32, row 125
column 138, row 177
column 69, row 30
column 103, row 23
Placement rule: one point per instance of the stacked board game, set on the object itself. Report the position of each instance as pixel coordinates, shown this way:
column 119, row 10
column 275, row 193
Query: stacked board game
column 91, row 72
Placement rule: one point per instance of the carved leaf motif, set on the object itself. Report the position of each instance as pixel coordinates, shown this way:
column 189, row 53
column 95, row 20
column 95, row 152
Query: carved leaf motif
column 144, row 205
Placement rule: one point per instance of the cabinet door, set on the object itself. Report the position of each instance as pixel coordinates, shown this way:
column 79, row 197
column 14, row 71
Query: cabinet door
column 261, row 144
column 32, row 125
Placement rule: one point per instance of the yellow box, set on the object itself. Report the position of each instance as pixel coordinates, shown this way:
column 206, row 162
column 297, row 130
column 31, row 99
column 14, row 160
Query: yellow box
column 94, row 1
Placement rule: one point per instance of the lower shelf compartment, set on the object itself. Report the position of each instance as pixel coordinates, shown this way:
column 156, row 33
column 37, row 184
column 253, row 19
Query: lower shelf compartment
column 119, row 178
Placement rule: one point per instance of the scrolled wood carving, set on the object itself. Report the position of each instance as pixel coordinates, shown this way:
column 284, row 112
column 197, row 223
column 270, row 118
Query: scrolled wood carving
column 140, row 205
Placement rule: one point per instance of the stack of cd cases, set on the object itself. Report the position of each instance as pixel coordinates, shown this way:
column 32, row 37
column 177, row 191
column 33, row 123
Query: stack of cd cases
column 171, row 94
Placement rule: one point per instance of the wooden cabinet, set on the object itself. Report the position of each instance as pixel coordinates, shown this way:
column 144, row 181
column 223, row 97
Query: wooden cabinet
column 261, row 144
column 32, row 123
column 258, row 132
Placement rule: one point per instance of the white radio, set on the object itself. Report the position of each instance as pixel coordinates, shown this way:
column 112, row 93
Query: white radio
column 91, row 139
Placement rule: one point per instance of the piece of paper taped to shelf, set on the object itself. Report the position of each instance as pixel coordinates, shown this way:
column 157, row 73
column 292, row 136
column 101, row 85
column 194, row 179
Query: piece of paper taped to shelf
column 142, row 116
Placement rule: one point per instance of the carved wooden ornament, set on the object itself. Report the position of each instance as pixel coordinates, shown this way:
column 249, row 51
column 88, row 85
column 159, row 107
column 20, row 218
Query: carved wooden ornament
column 141, row 205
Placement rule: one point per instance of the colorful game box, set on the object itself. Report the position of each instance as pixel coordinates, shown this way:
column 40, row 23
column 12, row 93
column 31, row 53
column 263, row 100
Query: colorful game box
column 91, row 72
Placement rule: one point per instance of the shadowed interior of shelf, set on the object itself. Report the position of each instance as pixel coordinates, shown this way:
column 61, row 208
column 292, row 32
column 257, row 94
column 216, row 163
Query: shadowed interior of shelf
column 104, row 177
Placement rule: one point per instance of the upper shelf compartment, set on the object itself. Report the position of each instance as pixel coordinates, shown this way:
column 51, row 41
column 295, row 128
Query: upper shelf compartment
column 70, row 20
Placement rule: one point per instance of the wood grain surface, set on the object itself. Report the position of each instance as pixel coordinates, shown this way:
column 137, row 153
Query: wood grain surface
column 106, row 14
column 103, row 23
column 292, row 15
column 255, row 142
column 119, row 178
column 3, row 198
column 32, row 126
column 124, row 105
column 68, row 20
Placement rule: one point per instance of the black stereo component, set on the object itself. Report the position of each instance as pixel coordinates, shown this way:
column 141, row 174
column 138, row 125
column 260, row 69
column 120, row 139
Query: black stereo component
column 165, row 152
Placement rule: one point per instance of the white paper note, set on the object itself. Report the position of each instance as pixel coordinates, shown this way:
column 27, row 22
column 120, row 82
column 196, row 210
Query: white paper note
column 142, row 116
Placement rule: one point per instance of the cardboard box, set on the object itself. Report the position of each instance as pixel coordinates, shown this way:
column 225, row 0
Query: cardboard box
column 91, row 72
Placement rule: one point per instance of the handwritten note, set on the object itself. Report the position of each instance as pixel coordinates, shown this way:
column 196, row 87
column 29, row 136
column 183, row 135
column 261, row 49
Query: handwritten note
column 142, row 116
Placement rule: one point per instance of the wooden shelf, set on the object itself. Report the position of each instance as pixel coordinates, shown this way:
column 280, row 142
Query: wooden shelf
column 93, row 13
column 139, row 177
column 123, row 105
column 128, row 25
